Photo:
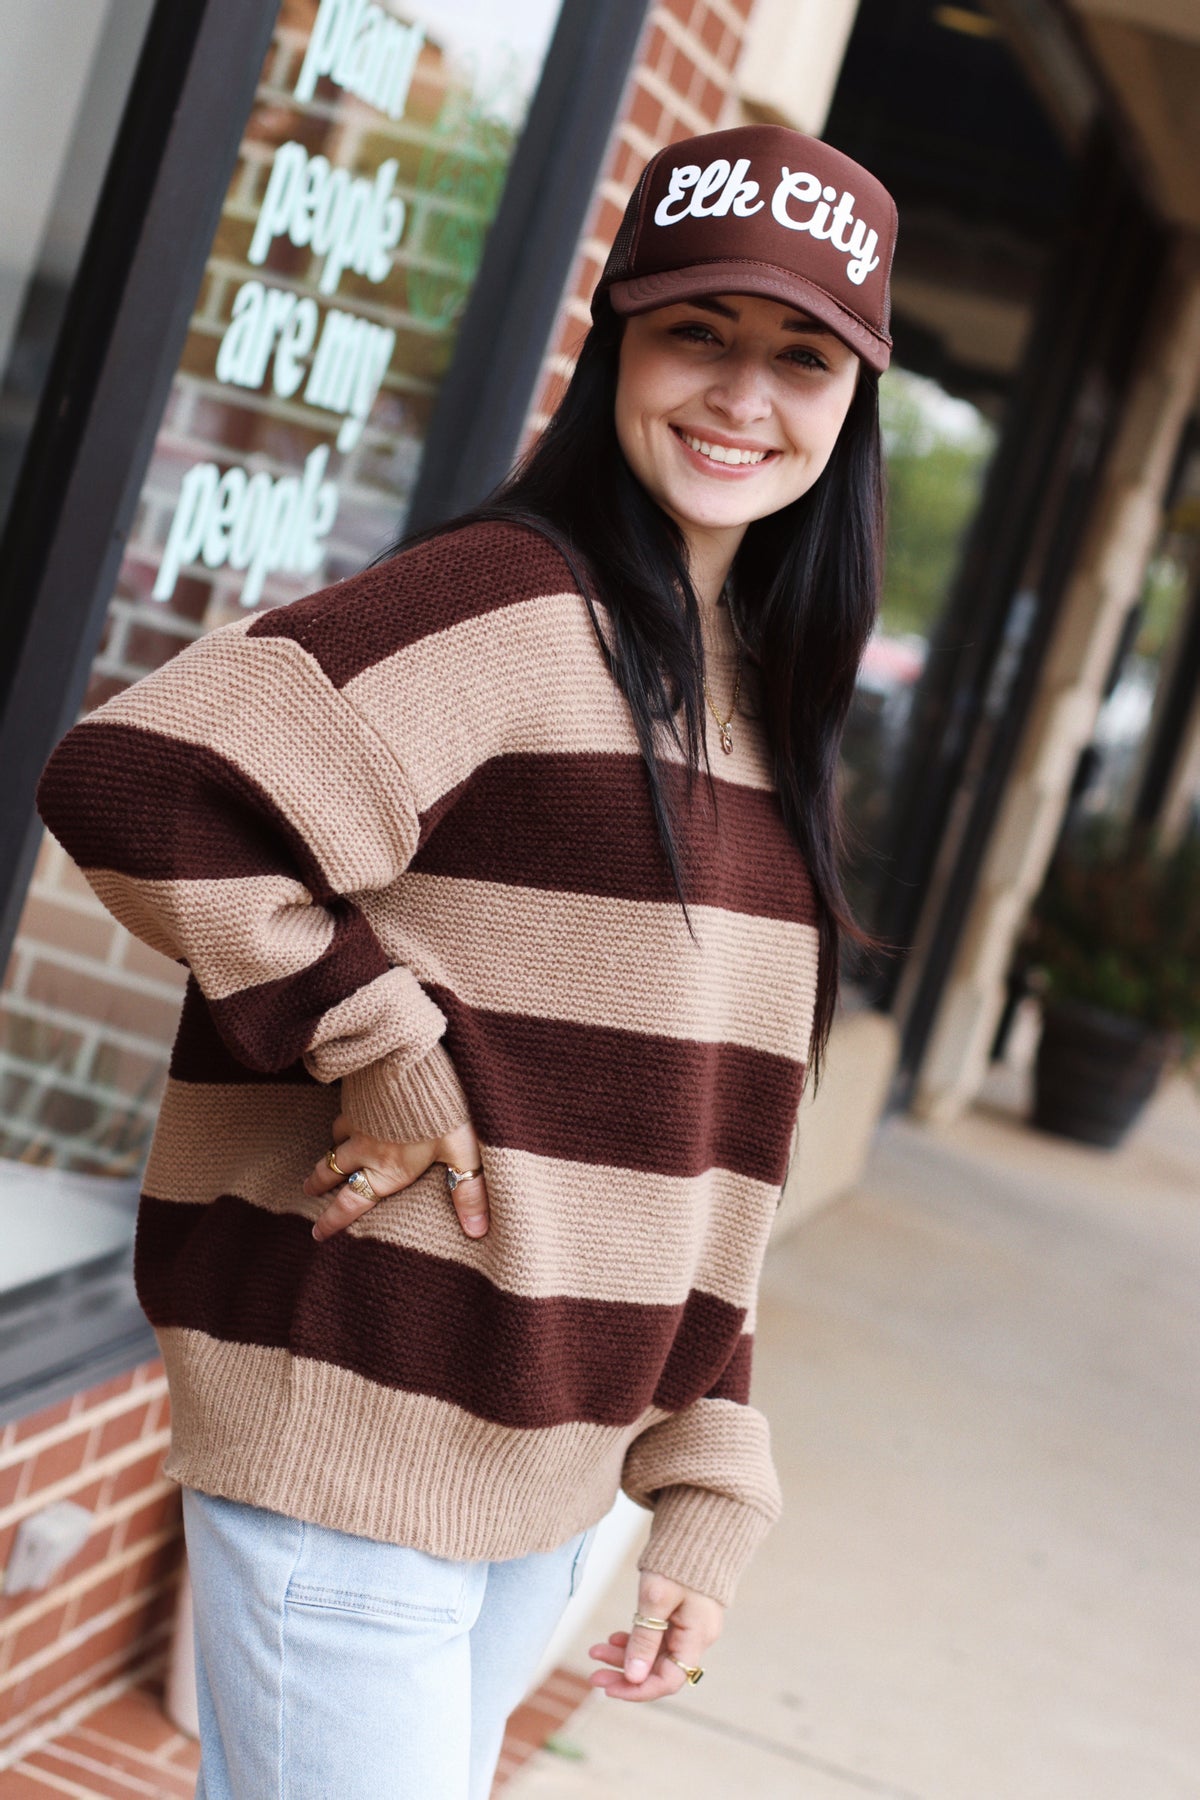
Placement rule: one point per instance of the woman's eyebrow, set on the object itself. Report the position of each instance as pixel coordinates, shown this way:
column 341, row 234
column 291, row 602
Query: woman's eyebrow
column 717, row 306
column 794, row 324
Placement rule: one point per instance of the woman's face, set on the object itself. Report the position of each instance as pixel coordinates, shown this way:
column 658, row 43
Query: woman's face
column 728, row 408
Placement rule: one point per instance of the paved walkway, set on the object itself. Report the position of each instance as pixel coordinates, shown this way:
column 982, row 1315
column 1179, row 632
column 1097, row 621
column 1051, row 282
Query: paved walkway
column 983, row 1375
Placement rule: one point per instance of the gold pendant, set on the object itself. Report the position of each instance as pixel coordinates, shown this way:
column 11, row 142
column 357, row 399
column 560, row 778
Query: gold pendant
column 726, row 740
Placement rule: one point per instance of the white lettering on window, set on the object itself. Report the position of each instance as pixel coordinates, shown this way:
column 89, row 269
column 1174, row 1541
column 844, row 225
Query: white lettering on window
column 250, row 522
column 354, row 222
column 363, row 49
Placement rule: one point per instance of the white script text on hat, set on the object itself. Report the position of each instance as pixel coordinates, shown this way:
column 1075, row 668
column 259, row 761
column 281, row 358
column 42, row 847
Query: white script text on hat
column 859, row 244
column 719, row 189
column 715, row 191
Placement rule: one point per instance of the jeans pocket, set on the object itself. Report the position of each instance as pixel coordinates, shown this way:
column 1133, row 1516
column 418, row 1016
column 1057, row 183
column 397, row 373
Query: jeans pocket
column 338, row 1572
column 579, row 1562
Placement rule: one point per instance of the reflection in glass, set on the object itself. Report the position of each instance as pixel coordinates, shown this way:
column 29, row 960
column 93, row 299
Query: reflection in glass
column 938, row 448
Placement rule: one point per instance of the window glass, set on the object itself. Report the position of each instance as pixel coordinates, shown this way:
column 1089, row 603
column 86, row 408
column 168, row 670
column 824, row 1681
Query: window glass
column 370, row 169
column 938, row 447
column 65, row 71
column 1125, row 729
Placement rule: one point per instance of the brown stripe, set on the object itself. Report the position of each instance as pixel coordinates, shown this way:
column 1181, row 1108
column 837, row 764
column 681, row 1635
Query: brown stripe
column 597, row 1094
column 458, row 576
column 170, row 810
column 733, row 1383
column 271, row 1025
column 583, row 823
column 241, row 1274
column 201, row 1054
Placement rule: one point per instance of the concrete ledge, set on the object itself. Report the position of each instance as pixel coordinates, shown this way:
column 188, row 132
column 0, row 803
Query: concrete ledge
column 837, row 1127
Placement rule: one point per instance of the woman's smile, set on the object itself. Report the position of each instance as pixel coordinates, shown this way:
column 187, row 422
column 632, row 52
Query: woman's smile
column 721, row 456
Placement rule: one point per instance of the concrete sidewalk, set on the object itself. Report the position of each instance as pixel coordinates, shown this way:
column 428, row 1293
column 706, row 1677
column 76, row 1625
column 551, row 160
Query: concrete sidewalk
column 982, row 1375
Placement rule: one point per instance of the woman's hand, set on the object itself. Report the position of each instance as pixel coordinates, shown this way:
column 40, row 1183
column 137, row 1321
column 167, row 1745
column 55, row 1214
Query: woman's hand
column 390, row 1168
column 638, row 1662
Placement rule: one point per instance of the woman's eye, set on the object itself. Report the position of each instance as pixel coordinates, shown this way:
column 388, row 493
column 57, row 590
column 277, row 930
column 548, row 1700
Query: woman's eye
column 694, row 333
column 801, row 358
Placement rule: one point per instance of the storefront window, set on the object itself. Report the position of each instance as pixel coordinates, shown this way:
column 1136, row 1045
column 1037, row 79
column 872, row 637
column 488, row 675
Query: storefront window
column 65, row 72
column 369, row 172
column 938, row 448
column 1125, row 732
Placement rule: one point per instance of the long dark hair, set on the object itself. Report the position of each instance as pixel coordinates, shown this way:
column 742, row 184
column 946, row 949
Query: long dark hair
column 806, row 582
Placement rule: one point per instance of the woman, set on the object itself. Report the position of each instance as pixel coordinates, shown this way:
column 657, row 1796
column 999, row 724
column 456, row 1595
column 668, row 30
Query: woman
column 461, row 910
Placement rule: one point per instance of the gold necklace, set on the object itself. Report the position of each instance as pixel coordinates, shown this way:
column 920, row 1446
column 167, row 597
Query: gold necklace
column 724, row 724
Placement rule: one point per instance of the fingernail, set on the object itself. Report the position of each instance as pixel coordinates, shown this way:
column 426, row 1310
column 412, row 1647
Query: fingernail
column 316, row 1234
column 475, row 1227
column 636, row 1671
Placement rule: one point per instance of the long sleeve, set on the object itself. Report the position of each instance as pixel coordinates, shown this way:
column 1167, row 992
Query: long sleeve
column 230, row 809
column 708, row 1475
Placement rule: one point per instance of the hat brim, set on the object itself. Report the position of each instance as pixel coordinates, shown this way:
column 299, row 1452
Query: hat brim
column 766, row 280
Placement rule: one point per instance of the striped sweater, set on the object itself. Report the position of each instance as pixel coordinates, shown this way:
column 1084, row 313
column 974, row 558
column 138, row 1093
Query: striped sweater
column 401, row 835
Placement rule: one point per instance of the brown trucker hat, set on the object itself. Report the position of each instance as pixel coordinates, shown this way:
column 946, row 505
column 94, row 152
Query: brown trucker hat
column 764, row 210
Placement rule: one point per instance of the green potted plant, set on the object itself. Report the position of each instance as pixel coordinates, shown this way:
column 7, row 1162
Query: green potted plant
column 1114, row 950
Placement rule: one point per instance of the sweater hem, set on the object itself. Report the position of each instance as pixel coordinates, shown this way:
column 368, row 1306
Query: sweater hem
column 314, row 1441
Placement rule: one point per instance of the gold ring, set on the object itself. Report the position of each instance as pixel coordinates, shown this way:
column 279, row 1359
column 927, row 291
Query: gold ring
column 332, row 1160
column 693, row 1674
column 648, row 1624
column 361, row 1186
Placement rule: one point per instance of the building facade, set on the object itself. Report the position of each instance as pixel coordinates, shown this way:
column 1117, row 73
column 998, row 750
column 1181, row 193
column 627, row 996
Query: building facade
column 283, row 279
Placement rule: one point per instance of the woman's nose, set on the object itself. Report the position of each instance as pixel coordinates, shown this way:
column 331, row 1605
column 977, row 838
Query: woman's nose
column 740, row 393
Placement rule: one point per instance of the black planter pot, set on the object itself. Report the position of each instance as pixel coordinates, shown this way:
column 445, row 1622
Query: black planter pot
column 1095, row 1071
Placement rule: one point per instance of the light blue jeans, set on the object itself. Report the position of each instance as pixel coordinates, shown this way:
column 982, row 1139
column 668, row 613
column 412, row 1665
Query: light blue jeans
column 333, row 1667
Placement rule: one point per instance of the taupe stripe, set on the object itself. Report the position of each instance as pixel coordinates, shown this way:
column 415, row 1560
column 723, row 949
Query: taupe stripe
column 376, row 1461
column 717, row 1444
column 389, row 1014
column 361, row 621
column 265, row 708
column 233, row 929
column 527, row 680
column 238, row 1272
column 622, row 1235
column 259, row 1140
column 604, row 961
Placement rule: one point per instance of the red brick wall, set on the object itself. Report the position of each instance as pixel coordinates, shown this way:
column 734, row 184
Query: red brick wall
column 682, row 83
column 104, row 1619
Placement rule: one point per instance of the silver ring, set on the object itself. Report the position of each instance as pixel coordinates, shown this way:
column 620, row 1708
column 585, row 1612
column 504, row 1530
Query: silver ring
column 454, row 1176
column 361, row 1186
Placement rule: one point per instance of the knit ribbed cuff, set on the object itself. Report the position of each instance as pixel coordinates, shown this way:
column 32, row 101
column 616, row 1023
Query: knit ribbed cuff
column 403, row 1103
column 702, row 1540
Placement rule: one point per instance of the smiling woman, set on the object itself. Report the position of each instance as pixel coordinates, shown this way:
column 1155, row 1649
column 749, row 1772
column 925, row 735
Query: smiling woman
column 498, row 1014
